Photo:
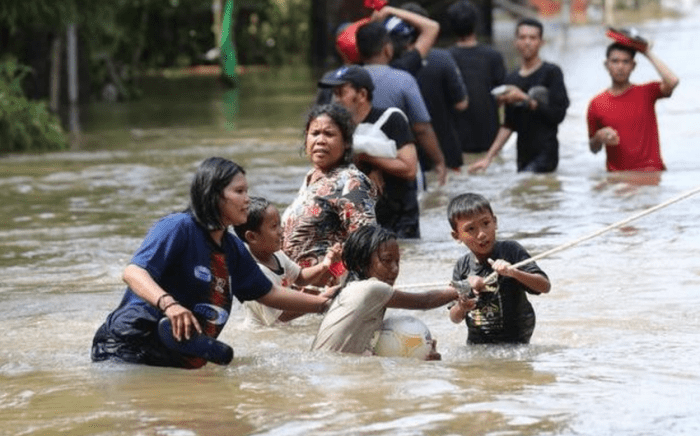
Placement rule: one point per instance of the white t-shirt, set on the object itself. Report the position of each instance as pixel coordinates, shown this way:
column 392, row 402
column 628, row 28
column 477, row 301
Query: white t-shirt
column 257, row 314
column 353, row 318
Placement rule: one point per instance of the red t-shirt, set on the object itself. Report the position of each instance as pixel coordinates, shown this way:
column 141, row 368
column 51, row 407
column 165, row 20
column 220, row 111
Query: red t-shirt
column 633, row 116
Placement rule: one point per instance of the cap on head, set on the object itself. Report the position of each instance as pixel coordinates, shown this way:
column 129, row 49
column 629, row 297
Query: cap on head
column 354, row 74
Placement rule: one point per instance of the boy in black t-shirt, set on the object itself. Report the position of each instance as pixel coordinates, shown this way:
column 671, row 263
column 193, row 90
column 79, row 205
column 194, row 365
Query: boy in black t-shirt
column 502, row 313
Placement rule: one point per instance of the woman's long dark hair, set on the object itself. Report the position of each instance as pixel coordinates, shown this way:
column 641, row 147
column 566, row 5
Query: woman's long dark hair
column 358, row 249
column 342, row 118
column 208, row 184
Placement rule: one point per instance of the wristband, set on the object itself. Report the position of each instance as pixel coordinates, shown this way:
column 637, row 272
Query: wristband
column 172, row 303
column 160, row 298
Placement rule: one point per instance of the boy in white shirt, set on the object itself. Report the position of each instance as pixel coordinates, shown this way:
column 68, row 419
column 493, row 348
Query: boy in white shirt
column 262, row 234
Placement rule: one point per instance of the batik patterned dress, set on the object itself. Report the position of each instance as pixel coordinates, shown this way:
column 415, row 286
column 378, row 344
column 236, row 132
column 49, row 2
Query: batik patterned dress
column 328, row 208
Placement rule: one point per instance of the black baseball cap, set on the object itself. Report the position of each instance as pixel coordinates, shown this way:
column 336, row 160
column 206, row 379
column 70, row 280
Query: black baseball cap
column 354, row 74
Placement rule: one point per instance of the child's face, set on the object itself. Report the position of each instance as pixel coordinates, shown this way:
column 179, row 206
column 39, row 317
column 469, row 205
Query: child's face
column 384, row 264
column 269, row 235
column 477, row 232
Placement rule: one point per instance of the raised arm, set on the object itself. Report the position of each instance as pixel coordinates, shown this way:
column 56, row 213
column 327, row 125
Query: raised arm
column 669, row 80
column 428, row 29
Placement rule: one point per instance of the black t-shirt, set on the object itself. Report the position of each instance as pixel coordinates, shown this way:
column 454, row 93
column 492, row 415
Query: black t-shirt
column 410, row 61
column 538, row 147
column 397, row 208
column 505, row 316
column 442, row 87
column 482, row 69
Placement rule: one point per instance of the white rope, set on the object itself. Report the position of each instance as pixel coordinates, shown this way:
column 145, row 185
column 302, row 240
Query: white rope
column 563, row 247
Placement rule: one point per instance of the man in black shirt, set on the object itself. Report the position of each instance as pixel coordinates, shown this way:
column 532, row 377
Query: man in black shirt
column 536, row 103
column 482, row 69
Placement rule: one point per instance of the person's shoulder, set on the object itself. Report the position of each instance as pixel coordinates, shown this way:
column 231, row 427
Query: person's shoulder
column 369, row 285
column 603, row 94
column 509, row 249
column 236, row 243
column 175, row 221
column 648, row 86
column 373, row 115
column 350, row 172
column 550, row 65
column 464, row 259
column 508, row 243
column 551, row 68
column 395, row 115
column 439, row 54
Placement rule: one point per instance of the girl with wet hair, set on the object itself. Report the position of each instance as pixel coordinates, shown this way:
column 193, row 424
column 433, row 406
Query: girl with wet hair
column 371, row 255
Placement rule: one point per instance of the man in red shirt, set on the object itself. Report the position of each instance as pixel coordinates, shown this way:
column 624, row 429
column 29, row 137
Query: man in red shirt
column 623, row 117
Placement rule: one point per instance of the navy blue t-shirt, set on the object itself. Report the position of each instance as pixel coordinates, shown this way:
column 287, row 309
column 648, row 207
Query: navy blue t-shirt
column 177, row 253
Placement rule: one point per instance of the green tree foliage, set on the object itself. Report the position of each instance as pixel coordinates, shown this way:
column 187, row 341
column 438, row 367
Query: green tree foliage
column 25, row 125
column 274, row 32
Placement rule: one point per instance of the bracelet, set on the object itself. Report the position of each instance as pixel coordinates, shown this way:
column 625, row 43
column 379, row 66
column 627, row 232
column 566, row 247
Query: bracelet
column 172, row 303
column 160, row 298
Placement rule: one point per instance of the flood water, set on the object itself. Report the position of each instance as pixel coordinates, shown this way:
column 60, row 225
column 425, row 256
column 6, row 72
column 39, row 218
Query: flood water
column 614, row 352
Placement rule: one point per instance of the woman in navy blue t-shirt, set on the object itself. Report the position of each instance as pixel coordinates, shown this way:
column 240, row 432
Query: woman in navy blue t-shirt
column 188, row 269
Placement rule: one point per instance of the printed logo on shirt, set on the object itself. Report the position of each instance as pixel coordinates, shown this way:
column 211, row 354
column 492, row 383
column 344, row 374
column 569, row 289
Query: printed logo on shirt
column 212, row 313
column 220, row 284
column 202, row 273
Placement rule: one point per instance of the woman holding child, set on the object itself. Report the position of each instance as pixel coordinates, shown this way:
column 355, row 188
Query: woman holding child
column 188, row 269
column 335, row 198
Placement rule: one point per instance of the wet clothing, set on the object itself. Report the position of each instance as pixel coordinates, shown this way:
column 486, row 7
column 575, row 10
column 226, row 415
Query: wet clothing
column 505, row 316
column 182, row 258
column 397, row 88
column 538, row 146
column 442, row 87
column 284, row 275
column 482, row 69
column 326, row 211
column 633, row 116
column 397, row 208
column 410, row 61
column 354, row 317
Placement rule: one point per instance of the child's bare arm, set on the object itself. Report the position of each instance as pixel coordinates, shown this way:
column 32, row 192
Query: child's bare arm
column 459, row 311
column 320, row 273
column 536, row 282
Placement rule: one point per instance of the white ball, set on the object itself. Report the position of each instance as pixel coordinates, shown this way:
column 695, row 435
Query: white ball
column 403, row 336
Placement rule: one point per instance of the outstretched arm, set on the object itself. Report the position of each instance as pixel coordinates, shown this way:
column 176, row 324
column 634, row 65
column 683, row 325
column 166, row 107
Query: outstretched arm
column 669, row 80
column 422, row 300
column 498, row 143
column 286, row 299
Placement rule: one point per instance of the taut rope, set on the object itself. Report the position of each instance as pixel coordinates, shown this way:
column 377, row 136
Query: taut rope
column 563, row 247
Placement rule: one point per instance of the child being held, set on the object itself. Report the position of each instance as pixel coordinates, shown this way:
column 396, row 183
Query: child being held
column 504, row 316
column 371, row 256
column 262, row 234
